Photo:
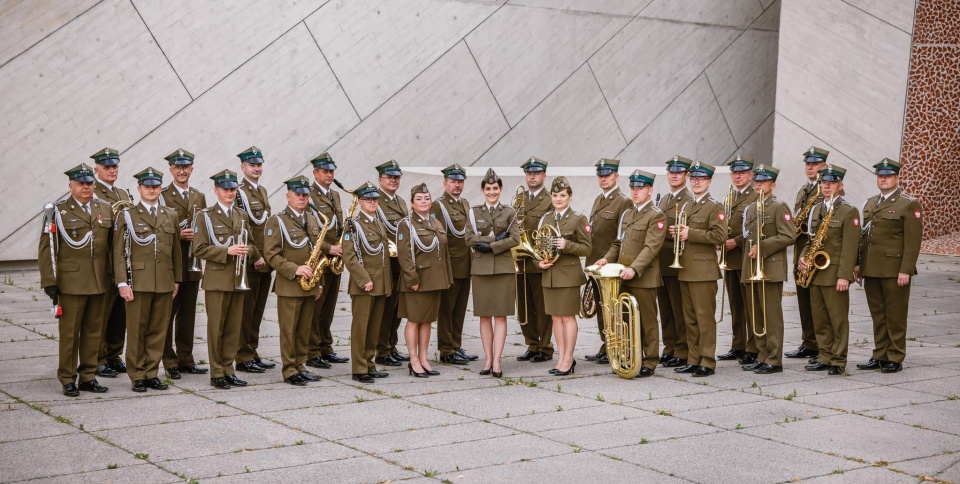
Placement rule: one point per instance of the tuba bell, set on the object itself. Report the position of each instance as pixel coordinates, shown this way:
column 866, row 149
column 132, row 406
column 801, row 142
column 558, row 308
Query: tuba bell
column 621, row 320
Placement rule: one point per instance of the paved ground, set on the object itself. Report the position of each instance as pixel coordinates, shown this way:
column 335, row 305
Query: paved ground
column 461, row 427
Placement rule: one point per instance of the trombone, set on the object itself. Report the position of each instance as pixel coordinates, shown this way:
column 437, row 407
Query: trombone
column 722, row 257
column 758, row 274
column 241, row 267
column 678, row 245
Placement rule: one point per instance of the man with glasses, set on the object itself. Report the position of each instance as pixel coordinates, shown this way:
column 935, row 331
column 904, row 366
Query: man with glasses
column 392, row 209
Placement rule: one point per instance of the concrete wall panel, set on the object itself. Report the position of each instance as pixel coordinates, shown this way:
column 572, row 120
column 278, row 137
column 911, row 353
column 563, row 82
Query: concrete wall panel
column 770, row 20
column 732, row 13
column 25, row 22
column 627, row 8
column 898, row 13
column 744, row 80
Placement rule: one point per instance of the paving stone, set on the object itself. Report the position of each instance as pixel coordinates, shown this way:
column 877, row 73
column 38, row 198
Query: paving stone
column 20, row 422
column 615, row 389
column 389, row 444
column 571, row 418
column 155, row 408
column 910, row 374
column 940, row 416
column 400, row 384
column 943, row 466
column 867, row 474
column 359, row 469
column 470, row 455
column 286, row 397
column 622, row 433
column 694, row 402
column 580, row 467
column 138, row 473
column 503, row 401
column 40, row 458
column 824, row 385
column 755, row 414
column 868, row 398
column 27, row 349
column 260, row 460
column 26, row 369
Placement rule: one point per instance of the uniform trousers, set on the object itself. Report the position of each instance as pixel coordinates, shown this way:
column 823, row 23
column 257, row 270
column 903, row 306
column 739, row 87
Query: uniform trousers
column 700, row 317
column 296, row 318
column 224, row 311
column 254, row 304
column 453, row 309
column 831, row 321
column 738, row 302
column 180, row 329
column 390, row 323
column 80, row 327
column 807, row 332
column 537, row 327
column 148, row 317
column 770, row 345
column 321, row 338
column 670, row 301
column 888, row 304
column 114, row 330
column 364, row 331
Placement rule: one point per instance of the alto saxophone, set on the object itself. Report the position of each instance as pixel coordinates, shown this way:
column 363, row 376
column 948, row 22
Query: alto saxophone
column 800, row 222
column 317, row 261
column 336, row 261
column 816, row 258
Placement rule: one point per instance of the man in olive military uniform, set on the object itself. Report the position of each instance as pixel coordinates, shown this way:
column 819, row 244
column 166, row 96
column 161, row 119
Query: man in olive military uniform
column 743, row 348
column 289, row 238
column 892, row 231
column 253, row 199
column 218, row 242
column 535, row 324
column 775, row 235
column 75, row 273
column 147, row 264
column 452, row 210
column 390, row 211
column 829, row 289
column 365, row 256
column 604, row 219
column 106, row 169
column 669, row 297
column 640, row 233
column 706, row 228
column 324, row 199
column 187, row 201
column 814, row 159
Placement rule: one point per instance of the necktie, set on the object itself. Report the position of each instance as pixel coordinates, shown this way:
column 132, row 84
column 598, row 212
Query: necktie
column 153, row 212
column 186, row 196
column 86, row 208
column 229, row 212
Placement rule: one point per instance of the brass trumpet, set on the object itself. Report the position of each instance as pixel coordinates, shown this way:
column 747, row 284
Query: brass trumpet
column 678, row 245
column 758, row 274
column 241, row 267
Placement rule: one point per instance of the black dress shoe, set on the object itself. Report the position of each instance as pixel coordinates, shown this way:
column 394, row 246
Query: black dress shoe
column 801, row 352
column 766, row 369
column 486, row 371
column 318, row 363
column 686, row 369
column 106, row 372
column 234, row 381
column 418, row 374
column 872, row 364
column 173, row 373
column 593, row 357
column 891, row 367
column 665, row 358
column 453, row 359
column 378, row 374
column 703, row 371
column 645, row 372
column 92, row 386
column 117, row 366
column 306, row 375
column 571, row 370
column 156, row 384
column 837, row 370
column 527, row 355
column 296, row 380
column 333, row 358
column 70, row 390
column 674, row 362
column 731, row 355
column 817, row 367
column 604, row 359
column 399, row 356
column 496, row 374
column 815, row 359
column 139, row 386
column 464, row 355
column 386, row 361
column 748, row 358
column 540, row 357
column 250, row 367
column 432, row 372
column 220, row 383
column 362, row 378
column 193, row 370
column 265, row 364
column 752, row 366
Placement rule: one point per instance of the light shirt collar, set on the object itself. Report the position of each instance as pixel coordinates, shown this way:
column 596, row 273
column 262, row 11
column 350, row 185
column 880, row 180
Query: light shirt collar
column 147, row 205
column 491, row 208
column 701, row 197
column 536, row 193
column 676, row 193
column 564, row 212
column 104, row 183
column 223, row 207
column 82, row 205
column 607, row 193
column 252, row 184
column 370, row 218
column 295, row 212
column 641, row 207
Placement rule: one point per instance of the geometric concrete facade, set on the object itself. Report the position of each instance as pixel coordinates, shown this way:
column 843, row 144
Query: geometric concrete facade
column 425, row 82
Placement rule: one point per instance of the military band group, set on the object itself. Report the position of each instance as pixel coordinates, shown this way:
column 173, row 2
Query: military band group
column 122, row 272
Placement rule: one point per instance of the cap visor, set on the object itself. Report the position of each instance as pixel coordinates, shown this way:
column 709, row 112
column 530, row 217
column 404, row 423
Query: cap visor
column 813, row 159
column 151, row 182
column 605, row 172
column 886, row 172
column 300, row 190
column 676, row 169
column 229, row 184
column 533, row 169
column 109, row 162
column 762, row 177
column 456, row 177
column 254, row 161
column 393, row 173
column 370, row 196
column 181, row 162
column 85, row 179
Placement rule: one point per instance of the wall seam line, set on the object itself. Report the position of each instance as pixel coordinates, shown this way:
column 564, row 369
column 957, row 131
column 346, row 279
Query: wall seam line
column 45, row 37
column 304, row 22
column 155, row 41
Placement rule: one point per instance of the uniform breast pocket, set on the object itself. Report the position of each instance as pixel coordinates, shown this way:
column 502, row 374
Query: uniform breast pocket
column 137, row 266
column 221, row 234
column 607, row 215
column 698, row 221
column 68, row 267
column 894, row 253
column 423, row 264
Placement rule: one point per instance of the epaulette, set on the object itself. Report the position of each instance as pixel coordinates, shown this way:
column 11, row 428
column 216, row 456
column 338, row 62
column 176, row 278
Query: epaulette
column 655, row 208
column 775, row 199
column 208, row 209
column 194, row 190
column 61, row 202
column 714, row 200
column 102, row 202
column 908, row 197
column 578, row 214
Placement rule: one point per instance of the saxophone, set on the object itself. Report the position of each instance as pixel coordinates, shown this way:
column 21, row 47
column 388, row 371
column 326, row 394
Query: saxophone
column 800, row 221
column 336, row 262
column 816, row 258
column 317, row 260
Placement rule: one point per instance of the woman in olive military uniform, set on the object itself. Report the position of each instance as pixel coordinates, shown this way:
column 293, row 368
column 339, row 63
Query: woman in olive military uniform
column 562, row 279
column 425, row 273
column 492, row 233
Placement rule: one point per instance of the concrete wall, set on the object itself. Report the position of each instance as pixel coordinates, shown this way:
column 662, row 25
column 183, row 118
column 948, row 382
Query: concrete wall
column 426, row 82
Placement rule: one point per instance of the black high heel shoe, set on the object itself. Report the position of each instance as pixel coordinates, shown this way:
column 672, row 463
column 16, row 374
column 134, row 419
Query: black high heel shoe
column 573, row 369
column 431, row 372
column 485, row 371
column 497, row 374
column 553, row 371
column 414, row 373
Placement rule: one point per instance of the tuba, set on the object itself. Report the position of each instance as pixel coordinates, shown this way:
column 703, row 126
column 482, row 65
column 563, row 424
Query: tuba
column 621, row 320
column 336, row 262
column 317, row 260
column 816, row 258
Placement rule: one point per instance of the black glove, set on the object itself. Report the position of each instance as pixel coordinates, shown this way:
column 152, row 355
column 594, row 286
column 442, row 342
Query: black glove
column 503, row 235
column 52, row 292
column 483, row 247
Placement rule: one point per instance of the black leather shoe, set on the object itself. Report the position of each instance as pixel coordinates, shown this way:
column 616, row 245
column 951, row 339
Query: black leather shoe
column 306, row 375
column 540, row 357
column 485, row 371
column 891, row 367
column 748, row 358
column 593, row 357
column 193, row 370
column 665, row 358
column 801, row 352
column 92, row 386
column 70, row 390
column 602, row 360
column 766, row 369
column 296, row 380
column 378, row 374
column 703, row 371
column 817, row 367
column 674, row 362
column 333, row 358
column 453, row 359
column 266, row 365
column 815, row 359
column 872, row 364
column 645, row 372
column 752, row 366
column 418, row 374
column 250, row 367
column 432, row 372
column 234, row 381
column 386, row 361
column 318, row 363
column 837, row 370
column 553, row 371
column 731, row 355
column 139, row 386
column 220, row 383
column 106, row 372
column 362, row 378
column 464, row 355
column 399, row 356
column 173, row 373
column 686, row 369
column 496, row 374
column 527, row 355
column 156, row 384
column 117, row 366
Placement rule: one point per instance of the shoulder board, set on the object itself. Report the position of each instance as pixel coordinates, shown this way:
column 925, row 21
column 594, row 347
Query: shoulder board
column 714, row 200
column 168, row 187
column 477, row 206
column 620, row 194
column 843, row 201
column 578, row 214
column 655, row 208
column 775, row 199
column 908, row 197
column 61, row 202
column 208, row 209
column 441, row 197
column 101, row 202
column 282, row 212
column 194, row 190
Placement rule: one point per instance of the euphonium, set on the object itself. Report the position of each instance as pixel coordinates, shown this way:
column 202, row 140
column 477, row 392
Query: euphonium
column 588, row 300
column 317, row 261
column 800, row 222
column 816, row 258
column 621, row 320
column 336, row 261
column 117, row 207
